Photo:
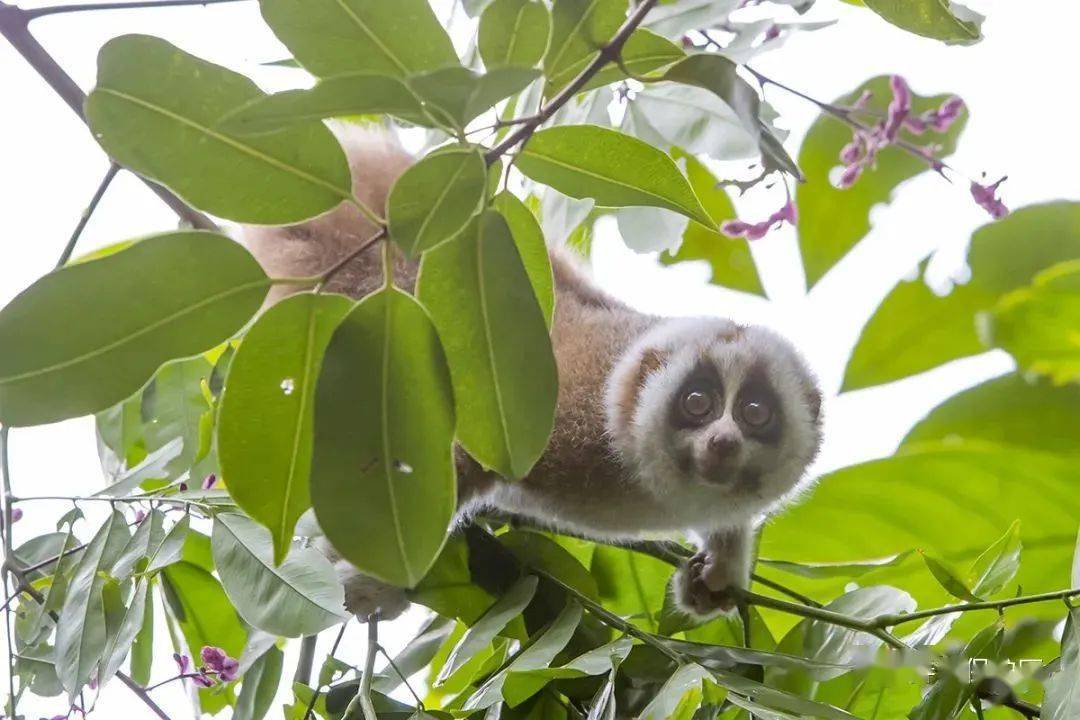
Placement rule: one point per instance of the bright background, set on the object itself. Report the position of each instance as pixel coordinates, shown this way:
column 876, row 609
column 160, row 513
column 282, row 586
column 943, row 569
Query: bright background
column 1014, row 83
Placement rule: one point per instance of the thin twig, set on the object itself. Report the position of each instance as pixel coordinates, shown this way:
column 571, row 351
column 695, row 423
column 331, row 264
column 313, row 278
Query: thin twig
column 318, row 691
column 404, row 680
column 328, row 275
column 14, row 27
column 362, row 699
column 606, row 54
column 5, row 574
column 35, row 13
column 85, row 217
column 890, row 620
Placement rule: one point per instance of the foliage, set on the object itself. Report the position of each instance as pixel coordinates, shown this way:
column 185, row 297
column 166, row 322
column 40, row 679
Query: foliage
column 222, row 427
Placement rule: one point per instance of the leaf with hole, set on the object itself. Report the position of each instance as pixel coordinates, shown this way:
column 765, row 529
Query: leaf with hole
column 496, row 341
column 435, row 199
column 384, row 429
column 155, row 110
column 268, row 408
column 616, row 170
column 194, row 289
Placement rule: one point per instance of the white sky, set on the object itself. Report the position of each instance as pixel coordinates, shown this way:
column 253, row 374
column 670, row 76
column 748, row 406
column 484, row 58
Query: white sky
column 1016, row 85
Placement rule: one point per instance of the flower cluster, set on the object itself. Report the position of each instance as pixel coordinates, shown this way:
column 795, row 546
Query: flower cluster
column 986, row 198
column 758, row 230
column 217, row 667
column 861, row 153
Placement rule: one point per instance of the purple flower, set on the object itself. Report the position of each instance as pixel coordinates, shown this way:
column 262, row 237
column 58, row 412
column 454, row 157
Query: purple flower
column 140, row 515
column 209, row 481
column 864, row 99
column 772, row 33
column 183, row 662
column 849, row 176
column 183, row 487
column 943, row 118
column 851, row 152
column 916, row 125
column 16, row 515
column 986, row 197
column 203, row 680
column 899, row 107
column 214, row 658
column 755, row 231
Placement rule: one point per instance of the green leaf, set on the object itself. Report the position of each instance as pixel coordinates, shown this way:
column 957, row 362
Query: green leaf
column 538, row 655
column 643, row 54
column 948, row 577
column 484, row 630
column 415, row 656
column 259, row 686
column 1062, row 700
column 171, row 547
column 825, row 236
column 331, row 37
column 1008, row 411
column 267, row 411
column 1037, row 324
column 949, row 22
column 194, row 289
column 514, row 32
column 531, row 247
column 384, row 427
column 631, row 583
column 205, row 616
column 130, row 623
column 774, row 699
column 458, row 95
column 691, row 118
column 586, row 161
column 832, row 570
column 1005, row 255
column 534, row 550
column 682, row 681
column 155, row 110
column 729, row 259
column 174, row 405
column 435, row 199
column 998, row 564
column 448, row 588
column 578, row 29
column 80, row 632
column 492, row 328
column 337, row 96
column 142, row 649
column 301, row 596
column 519, row 686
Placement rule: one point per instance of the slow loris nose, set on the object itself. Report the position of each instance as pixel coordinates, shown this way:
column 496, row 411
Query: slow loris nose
column 723, row 446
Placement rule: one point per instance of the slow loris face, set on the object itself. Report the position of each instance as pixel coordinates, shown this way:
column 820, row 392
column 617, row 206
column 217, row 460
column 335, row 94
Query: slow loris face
column 720, row 414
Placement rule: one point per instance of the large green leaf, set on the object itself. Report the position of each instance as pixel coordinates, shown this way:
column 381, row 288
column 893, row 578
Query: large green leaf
column 587, row 161
column 173, row 405
column 729, row 259
column 205, row 616
column 384, row 427
column 826, row 235
column 301, row 596
column 81, row 633
column 129, row 625
column 643, row 54
column 578, row 29
column 1004, row 255
column 501, row 360
column 260, row 686
column 331, row 37
column 514, row 32
column 683, row 680
column 826, row 642
column 529, row 239
column 1010, row 411
column 267, row 411
column 121, row 317
column 155, row 109
column 978, row 486
column 350, row 94
column 435, row 199
column 632, row 584
column 937, row 19
column 1038, row 324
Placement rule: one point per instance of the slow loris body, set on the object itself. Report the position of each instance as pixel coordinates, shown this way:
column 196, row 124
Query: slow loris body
column 663, row 427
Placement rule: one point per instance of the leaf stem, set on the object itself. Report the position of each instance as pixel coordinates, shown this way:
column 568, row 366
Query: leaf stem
column 606, row 54
column 333, row 651
column 889, row 620
column 362, row 699
column 35, row 13
column 306, row 660
column 85, row 217
column 14, row 27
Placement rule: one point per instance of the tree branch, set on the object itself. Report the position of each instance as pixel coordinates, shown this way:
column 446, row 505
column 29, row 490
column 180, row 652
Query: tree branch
column 14, row 27
column 889, row 620
column 85, row 217
column 607, row 53
column 35, row 13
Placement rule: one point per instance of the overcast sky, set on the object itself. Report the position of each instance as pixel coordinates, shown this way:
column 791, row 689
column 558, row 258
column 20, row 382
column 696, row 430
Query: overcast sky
column 1017, row 84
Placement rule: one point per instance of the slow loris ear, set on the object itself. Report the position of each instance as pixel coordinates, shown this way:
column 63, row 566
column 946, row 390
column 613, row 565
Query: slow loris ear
column 649, row 361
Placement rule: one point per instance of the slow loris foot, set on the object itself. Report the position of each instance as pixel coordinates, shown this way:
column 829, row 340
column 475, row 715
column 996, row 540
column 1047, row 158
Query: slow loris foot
column 695, row 583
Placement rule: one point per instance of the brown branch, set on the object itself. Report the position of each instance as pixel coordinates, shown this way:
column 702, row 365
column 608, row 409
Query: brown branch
column 606, row 54
column 34, row 13
column 14, row 27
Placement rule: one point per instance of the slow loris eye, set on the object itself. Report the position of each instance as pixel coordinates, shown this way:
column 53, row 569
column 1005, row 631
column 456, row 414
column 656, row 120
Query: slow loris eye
column 756, row 413
column 697, row 403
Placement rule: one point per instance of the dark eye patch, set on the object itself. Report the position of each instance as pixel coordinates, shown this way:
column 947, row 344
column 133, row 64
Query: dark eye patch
column 757, row 391
column 703, row 380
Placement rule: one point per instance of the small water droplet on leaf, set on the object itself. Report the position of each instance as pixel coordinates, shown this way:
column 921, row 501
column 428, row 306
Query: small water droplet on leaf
column 288, row 385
